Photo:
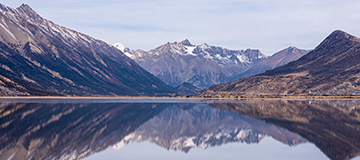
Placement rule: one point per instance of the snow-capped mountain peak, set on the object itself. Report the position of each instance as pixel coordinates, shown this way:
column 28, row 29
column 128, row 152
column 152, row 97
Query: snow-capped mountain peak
column 204, row 46
column 124, row 49
column 120, row 46
column 200, row 65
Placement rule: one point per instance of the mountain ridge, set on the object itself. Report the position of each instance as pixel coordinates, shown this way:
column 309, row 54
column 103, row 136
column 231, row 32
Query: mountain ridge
column 200, row 65
column 190, row 63
column 40, row 57
column 278, row 59
column 332, row 68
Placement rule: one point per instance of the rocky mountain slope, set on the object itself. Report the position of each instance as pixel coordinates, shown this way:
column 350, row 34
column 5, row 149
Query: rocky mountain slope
column 276, row 60
column 39, row 57
column 331, row 68
column 203, row 126
column 187, row 89
column 201, row 65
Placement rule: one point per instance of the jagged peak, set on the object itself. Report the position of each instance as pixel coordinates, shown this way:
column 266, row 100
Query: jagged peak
column 3, row 7
column 186, row 42
column 258, row 52
column 292, row 47
column 28, row 12
column 25, row 7
column 249, row 50
column 204, row 45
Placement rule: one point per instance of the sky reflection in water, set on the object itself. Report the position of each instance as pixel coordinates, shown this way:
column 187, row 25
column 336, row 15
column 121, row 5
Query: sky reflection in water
column 266, row 149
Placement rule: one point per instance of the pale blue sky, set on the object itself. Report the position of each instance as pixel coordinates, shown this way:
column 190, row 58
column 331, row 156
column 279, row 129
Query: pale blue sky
column 235, row 24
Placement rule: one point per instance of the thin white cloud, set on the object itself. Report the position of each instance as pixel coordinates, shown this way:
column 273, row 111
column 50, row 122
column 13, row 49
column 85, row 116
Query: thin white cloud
column 236, row 24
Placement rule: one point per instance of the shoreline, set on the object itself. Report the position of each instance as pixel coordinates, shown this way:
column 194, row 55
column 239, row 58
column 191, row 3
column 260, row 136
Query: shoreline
column 183, row 97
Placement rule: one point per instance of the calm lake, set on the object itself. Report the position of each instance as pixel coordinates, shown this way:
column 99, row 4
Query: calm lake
column 162, row 129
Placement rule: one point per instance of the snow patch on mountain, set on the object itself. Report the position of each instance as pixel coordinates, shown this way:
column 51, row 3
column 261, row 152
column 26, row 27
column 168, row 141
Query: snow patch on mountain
column 218, row 54
column 190, row 50
column 123, row 49
column 242, row 58
column 12, row 35
column 200, row 65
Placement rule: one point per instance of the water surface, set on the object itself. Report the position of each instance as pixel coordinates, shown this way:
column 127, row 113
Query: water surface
column 179, row 129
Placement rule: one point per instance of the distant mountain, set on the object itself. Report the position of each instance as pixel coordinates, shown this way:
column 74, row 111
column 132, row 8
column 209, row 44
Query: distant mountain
column 201, row 65
column 206, row 65
column 332, row 67
column 203, row 126
column 276, row 60
column 39, row 57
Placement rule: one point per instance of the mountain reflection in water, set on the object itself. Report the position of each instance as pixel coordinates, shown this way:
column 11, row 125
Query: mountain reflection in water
column 182, row 127
column 76, row 130
column 333, row 126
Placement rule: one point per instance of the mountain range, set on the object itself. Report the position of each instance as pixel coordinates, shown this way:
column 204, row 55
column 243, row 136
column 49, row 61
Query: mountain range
column 276, row 60
column 39, row 57
column 204, row 65
column 332, row 68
